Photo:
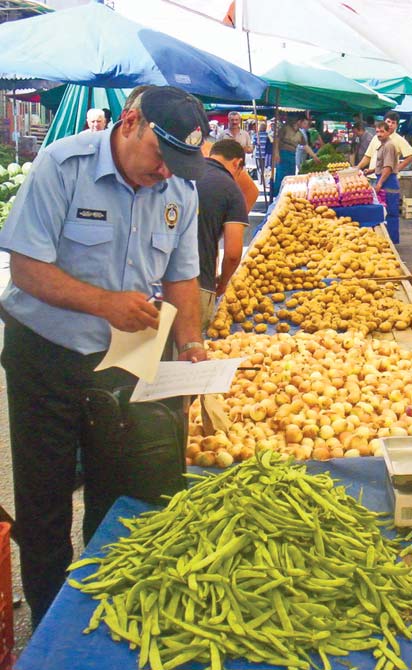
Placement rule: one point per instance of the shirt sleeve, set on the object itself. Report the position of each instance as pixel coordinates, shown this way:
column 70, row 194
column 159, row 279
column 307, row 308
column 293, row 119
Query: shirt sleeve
column 390, row 157
column 236, row 208
column 248, row 144
column 184, row 261
column 34, row 224
column 373, row 147
column 404, row 147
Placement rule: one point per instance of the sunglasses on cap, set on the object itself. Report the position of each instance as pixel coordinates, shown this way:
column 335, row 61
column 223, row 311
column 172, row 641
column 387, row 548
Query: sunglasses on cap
column 191, row 143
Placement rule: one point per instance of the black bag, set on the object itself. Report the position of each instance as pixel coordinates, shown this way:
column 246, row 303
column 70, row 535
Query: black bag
column 134, row 449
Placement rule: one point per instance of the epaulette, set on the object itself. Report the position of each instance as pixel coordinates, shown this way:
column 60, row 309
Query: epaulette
column 75, row 145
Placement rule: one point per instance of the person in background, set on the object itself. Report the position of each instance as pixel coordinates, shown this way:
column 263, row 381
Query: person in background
column 107, row 117
column 370, row 124
column 95, row 119
column 260, row 140
column 290, row 137
column 386, row 170
column 315, row 139
column 214, row 131
column 403, row 148
column 222, row 211
column 361, row 140
column 101, row 219
column 234, row 131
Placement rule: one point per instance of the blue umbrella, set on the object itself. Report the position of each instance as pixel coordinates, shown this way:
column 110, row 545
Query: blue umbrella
column 95, row 46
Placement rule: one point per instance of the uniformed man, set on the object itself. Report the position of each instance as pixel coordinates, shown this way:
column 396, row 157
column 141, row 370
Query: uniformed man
column 100, row 220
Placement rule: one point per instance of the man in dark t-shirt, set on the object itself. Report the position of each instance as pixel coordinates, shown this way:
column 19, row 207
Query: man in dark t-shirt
column 222, row 211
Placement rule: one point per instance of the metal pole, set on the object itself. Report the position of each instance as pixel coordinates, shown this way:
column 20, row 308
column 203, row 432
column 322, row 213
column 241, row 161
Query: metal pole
column 256, row 124
column 15, row 121
column 275, row 145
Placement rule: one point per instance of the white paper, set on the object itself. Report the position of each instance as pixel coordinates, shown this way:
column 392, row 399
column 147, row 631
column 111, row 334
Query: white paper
column 177, row 378
column 140, row 352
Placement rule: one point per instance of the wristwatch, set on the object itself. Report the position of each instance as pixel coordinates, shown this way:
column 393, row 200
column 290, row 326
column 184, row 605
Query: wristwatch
column 191, row 345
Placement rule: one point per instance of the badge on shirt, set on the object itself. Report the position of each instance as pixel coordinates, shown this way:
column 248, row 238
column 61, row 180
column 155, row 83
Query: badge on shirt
column 171, row 215
column 94, row 214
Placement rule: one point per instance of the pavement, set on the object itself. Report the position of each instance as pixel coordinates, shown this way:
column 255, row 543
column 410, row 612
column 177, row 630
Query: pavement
column 22, row 626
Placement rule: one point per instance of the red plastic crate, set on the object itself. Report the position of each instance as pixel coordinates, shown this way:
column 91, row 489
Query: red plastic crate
column 6, row 599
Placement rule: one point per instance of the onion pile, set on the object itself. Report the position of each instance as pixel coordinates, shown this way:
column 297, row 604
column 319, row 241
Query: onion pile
column 323, row 395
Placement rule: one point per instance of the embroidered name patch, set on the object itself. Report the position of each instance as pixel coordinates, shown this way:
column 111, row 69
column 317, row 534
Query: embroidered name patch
column 94, row 214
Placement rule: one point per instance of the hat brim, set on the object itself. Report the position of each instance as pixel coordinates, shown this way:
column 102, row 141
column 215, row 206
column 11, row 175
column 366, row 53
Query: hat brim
column 181, row 164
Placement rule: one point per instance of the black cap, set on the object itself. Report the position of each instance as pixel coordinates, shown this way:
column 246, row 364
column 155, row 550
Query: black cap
column 181, row 126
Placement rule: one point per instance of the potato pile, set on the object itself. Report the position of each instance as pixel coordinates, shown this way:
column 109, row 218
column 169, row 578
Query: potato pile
column 362, row 304
column 323, row 395
column 298, row 248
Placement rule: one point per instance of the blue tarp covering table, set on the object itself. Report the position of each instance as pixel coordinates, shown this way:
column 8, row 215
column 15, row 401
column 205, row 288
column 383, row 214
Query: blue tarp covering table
column 58, row 643
column 366, row 215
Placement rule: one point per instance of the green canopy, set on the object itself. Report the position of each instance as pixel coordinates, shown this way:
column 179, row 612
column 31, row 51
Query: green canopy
column 383, row 76
column 71, row 113
column 322, row 90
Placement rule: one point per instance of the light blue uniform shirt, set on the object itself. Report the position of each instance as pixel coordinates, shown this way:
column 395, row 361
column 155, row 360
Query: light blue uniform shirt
column 75, row 210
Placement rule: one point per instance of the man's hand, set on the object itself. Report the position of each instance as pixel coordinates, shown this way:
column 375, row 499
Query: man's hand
column 220, row 287
column 316, row 159
column 128, row 311
column 194, row 355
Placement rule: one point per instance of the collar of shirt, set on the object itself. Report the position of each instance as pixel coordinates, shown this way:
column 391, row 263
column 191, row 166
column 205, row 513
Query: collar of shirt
column 218, row 165
column 105, row 164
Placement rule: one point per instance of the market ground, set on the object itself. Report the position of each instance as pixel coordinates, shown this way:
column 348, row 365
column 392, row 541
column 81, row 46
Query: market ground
column 21, row 613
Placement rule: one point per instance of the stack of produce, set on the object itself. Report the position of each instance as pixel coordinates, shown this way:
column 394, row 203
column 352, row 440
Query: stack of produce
column 337, row 167
column 263, row 562
column 318, row 396
column 296, row 186
column 323, row 190
column 298, row 248
column 364, row 304
column 326, row 155
column 355, row 190
column 11, row 178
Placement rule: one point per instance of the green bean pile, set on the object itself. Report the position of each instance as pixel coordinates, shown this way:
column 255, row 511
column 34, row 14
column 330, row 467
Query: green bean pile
column 264, row 562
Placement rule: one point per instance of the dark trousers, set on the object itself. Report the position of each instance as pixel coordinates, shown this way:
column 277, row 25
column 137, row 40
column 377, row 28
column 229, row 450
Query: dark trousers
column 45, row 383
column 392, row 197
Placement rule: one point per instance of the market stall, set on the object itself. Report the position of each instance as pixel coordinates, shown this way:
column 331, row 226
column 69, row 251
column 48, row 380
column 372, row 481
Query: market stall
column 59, row 643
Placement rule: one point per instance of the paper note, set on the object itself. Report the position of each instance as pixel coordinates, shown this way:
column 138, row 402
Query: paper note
column 140, row 352
column 176, row 378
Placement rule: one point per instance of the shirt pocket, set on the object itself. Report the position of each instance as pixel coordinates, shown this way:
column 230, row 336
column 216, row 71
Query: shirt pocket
column 163, row 245
column 85, row 248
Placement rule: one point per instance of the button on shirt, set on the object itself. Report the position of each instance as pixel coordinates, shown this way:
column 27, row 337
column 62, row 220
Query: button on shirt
column 242, row 137
column 386, row 156
column 75, row 210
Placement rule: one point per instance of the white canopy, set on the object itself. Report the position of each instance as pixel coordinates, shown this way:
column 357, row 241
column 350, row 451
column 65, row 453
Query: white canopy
column 369, row 28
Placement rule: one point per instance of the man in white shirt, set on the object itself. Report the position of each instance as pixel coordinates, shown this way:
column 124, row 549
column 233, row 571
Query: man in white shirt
column 403, row 148
column 234, row 132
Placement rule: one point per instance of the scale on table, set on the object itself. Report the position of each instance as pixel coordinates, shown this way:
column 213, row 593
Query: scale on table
column 397, row 453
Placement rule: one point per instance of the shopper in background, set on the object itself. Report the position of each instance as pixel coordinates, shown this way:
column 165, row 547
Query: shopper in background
column 101, row 219
column 386, row 169
column 370, row 124
column 222, row 211
column 290, row 137
column 361, row 140
column 315, row 139
column 260, row 140
column 214, row 131
column 403, row 148
column 95, row 119
column 234, row 131
column 107, row 117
